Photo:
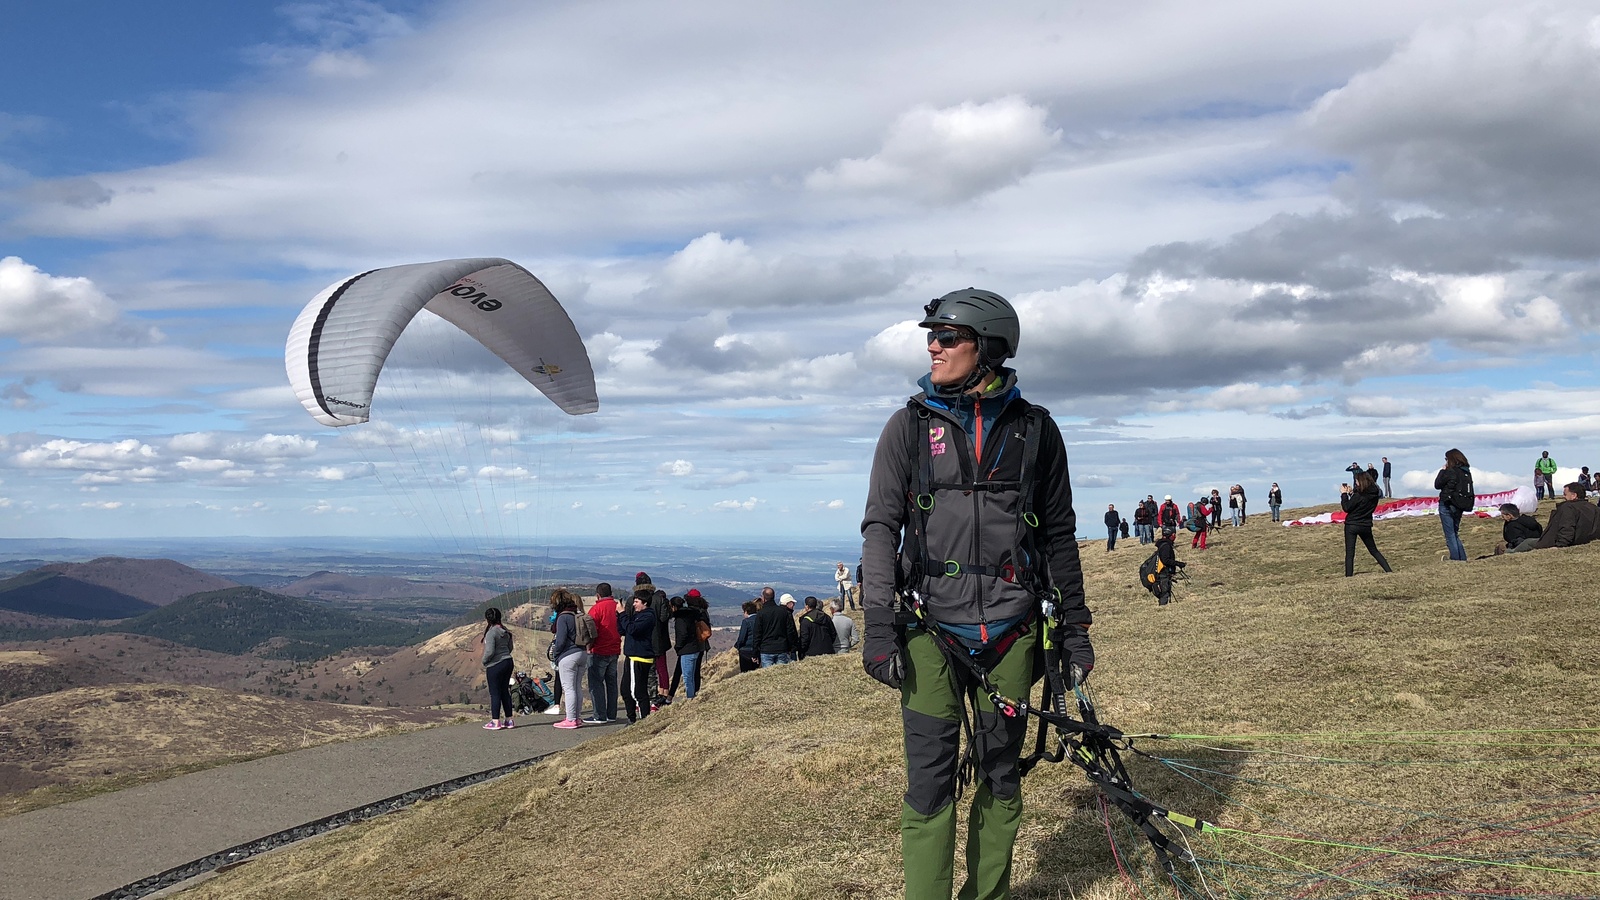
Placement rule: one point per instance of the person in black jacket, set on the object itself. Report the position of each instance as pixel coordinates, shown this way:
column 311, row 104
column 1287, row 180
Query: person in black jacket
column 1168, row 556
column 638, row 627
column 1358, row 505
column 1454, row 483
column 686, row 620
column 774, row 634
column 1113, row 522
column 817, row 634
column 1519, row 533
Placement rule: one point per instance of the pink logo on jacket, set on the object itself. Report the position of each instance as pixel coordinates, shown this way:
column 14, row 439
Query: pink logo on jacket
column 936, row 446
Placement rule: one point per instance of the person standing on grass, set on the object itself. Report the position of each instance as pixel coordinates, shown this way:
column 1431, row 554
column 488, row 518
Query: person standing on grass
column 1358, row 504
column 497, row 666
column 744, row 644
column 1141, row 523
column 1275, row 500
column 686, row 619
column 841, row 577
column 817, row 634
column 1215, row 504
column 1388, row 492
column 1168, row 514
column 1236, row 504
column 1545, row 470
column 603, row 655
column 570, row 657
column 776, row 638
column 1113, row 523
column 638, row 626
column 1454, row 484
column 968, row 481
column 844, row 629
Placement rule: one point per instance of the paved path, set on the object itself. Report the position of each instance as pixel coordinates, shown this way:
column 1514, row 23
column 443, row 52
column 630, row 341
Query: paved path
column 86, row 848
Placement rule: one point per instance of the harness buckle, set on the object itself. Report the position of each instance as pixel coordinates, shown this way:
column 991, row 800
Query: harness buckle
column 925, row 502
column 951, row 568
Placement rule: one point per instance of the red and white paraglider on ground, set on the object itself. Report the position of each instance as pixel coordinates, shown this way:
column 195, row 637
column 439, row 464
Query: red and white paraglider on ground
column 1483, row 506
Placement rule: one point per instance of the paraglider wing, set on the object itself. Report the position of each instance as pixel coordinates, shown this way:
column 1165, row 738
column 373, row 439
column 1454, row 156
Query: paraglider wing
column 339, row 343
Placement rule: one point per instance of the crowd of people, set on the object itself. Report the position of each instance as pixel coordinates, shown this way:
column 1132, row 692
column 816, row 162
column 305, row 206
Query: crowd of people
column 618, row 650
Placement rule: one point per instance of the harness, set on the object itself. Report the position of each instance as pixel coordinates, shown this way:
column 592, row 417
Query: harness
column 1022, row 566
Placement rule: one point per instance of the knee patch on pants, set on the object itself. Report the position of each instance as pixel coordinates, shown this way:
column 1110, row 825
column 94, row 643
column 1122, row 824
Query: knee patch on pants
column 931, row 760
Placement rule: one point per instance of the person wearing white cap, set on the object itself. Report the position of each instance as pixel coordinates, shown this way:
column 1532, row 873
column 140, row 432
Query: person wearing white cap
column 1169, row 514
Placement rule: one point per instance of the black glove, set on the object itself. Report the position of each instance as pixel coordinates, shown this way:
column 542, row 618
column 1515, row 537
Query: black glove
column 1076, row 652
column 883, row 648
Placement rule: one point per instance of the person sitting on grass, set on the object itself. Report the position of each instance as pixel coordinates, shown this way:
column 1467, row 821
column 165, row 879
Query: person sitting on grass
column 1573, row 523
column 1520, row 531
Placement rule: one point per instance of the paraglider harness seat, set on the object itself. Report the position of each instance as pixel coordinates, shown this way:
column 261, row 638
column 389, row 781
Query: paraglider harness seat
column 530, row 695
column 1089, row 745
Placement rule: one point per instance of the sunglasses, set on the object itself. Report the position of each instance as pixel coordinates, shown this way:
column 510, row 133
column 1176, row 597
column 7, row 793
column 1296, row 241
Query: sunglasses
column 947, row 337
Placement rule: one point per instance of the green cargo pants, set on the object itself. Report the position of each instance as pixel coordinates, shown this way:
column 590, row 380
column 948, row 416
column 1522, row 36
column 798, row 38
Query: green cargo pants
column 930, row 709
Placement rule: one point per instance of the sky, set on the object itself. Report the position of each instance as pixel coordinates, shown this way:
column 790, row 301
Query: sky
column 1248, row 241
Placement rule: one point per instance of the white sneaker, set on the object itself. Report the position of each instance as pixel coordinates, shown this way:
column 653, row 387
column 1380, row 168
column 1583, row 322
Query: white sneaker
column 553, row 711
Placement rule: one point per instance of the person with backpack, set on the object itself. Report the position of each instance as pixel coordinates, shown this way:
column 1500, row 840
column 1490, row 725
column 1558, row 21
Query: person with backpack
column 1169, row 515
column 691, row 646
column 1454, row 484
column 638, row 627
column 817, row 634
column 603, row 653
column 970, row 558
column 497, row 666
column 1358, row 504
column 1157, row 571
column 569, row 655
column 1199, row 513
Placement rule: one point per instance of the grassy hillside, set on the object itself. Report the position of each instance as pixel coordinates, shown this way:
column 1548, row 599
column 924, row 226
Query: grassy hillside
column 73, row 743
column 246, row 618
column 44, row 592
column 786, row 783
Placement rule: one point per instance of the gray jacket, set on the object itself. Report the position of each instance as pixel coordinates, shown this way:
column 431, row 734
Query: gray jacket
column 978, row 528
column 496, row 645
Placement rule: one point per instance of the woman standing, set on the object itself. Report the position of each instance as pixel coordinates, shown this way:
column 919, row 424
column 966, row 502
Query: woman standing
column 497, row 666
column 1358, row 503
column 1454, row 483
column 1216, row 510
column 749, row 657
column 1275, row 501
column 1236, row 504
column 686, row 619
column 570, row 658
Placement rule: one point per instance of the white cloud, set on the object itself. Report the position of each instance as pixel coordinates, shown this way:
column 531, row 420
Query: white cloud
column 103, row 505
column 35, row 306
column 836, row 504
column 1252, row 397
column 677, row 468
column 951, row 154
column 68, row 454
column 505, row 473
column 737, row 505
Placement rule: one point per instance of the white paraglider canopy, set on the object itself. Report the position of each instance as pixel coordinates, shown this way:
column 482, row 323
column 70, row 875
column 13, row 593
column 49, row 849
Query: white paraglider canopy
column 339, row 342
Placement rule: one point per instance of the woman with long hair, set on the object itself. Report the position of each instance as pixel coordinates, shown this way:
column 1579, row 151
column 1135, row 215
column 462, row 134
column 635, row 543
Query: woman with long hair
column 1454, row 484
column 570, row 657
column 1358, row 503
column 497, row 666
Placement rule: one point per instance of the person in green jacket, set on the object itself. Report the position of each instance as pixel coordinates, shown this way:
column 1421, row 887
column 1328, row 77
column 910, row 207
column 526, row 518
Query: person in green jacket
column 1545, row 472
column 969, row 551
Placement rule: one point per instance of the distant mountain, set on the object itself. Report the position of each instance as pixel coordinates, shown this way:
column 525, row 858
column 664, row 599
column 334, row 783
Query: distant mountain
column 48, row 592
column 246, row 619
column 334, row 586
column 155, row 581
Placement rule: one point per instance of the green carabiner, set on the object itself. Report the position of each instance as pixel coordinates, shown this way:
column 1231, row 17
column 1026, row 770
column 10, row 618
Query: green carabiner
column 925, row 502
column 951, row 568
column 1031, row 519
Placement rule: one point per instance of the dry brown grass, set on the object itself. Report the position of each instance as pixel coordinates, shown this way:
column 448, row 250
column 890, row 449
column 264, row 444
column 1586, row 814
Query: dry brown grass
column 75, row 743
column 786, row 783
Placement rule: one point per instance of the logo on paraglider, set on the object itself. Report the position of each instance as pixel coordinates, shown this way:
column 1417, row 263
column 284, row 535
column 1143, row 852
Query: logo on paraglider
column 544, row 368
column 468, row 290
column 337, row 402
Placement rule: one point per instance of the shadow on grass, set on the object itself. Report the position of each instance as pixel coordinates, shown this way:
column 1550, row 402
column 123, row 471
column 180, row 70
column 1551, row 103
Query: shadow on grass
column 1097, row 852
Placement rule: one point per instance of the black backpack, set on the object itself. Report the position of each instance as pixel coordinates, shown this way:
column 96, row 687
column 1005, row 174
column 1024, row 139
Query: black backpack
column 1148, row 570
column 1461, row 495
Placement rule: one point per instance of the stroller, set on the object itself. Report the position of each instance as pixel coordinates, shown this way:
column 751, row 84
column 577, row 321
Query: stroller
column 530, row 695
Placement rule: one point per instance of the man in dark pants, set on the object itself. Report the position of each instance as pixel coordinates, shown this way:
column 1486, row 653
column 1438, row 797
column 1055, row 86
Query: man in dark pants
column 1113, row 525
column 1388, row 491
column 968, row 469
